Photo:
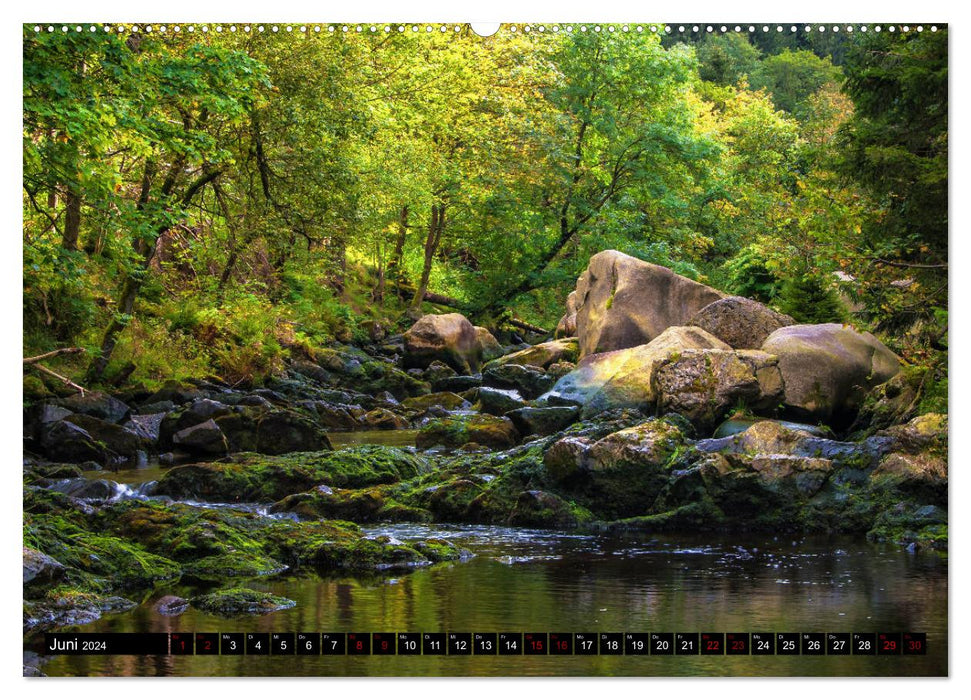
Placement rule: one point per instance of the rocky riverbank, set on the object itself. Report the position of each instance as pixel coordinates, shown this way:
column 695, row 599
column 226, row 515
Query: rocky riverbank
column 667, row 407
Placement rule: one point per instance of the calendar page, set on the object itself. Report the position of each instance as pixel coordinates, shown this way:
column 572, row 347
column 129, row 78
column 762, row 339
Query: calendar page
column 468, row 349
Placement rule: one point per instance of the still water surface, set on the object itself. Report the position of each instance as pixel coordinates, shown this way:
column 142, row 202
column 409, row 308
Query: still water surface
column 545, row 581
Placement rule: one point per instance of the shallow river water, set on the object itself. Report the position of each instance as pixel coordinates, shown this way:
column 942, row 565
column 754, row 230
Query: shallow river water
column 546, row 581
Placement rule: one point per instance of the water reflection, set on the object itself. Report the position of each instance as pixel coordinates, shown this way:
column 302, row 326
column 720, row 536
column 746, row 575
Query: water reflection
column 532, row 580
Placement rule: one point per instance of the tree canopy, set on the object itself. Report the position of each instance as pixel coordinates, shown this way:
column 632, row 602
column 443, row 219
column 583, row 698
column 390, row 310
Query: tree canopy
column 210, row 203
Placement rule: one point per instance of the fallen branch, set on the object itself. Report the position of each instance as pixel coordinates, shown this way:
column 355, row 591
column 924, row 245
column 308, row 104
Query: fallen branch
column 433, row 297
column 518, row 323
column 52, row 353
column 54, row 374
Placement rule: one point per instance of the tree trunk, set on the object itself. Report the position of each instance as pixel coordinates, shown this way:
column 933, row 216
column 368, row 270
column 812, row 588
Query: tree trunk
column 394, row 264
column 436, row 227
column 145, row 248
column 224, row 277
column 72, row 219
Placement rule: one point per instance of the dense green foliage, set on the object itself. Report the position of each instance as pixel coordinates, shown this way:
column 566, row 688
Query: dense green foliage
column 211, row 203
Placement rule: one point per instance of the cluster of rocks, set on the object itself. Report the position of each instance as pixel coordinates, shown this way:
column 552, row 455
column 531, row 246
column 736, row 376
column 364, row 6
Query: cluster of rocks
column 664, row 404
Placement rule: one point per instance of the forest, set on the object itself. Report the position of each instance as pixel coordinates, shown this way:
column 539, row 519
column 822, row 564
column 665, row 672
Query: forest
column 209, row 202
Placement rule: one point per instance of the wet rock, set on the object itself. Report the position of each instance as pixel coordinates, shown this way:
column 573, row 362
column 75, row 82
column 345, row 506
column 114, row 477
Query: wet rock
column 449, row 338
column 623, row 302
column 336, row 417
column 543, row 420
column 156, row 407
column 449, row 502
column 806, row 475
column 204, row 439
column 498, row 401
column 241, row 601
column 560, row 369
column 63, row 440
column 922, row 477
column 735, row 425
column 445, row 399
column 147, row 426
column 40, row 570
column 622, row 379
column 529, row 381
column 98, row 405
column 927, row 432
column 564, row 459
column 383, row 419
column 260, row 479
column 740, row 322
column 115, row 439
column 280, row 432
column 360, row 506
column 49, row 413
column 458, row 383
column 89, row 490
column 171, row 605
column 628, row 469
column 543, row 509
column 176, row 392
column 706, row 385
column 490, row 431
column 71, row 608
column 543, row 354
column 437, row 371
column 828, row 368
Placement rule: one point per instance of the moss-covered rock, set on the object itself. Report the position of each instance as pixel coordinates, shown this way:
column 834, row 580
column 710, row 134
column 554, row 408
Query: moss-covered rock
column 241, row 601
column 912, row 525
column 486, row 430
column 360, row 506
column 255, row 478
column 626, row 470
column 65, row 606
column 538, row 508
column 704, row 386
column 542, row 355
column 233, row 565
column 445, row 399
column 125, row 563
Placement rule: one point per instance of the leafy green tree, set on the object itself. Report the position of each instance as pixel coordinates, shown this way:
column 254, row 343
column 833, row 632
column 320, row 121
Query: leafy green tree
column 896, row 146
column 728, row 58
column 793, row 77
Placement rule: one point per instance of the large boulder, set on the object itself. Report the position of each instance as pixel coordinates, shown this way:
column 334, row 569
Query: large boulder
column 626, row 470
column 450, row 338
column 742, row 323
column 704, row 386
column 623, row 302
column 622, row 378
column 828, row 368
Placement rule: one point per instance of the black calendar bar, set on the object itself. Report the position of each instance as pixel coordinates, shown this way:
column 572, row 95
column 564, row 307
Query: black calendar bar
column 121, row 643
column 454, row 644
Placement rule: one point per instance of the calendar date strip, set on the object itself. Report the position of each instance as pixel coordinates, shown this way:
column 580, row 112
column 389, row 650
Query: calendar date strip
column 487, row 643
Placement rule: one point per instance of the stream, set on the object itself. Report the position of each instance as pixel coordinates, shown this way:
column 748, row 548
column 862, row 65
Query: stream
column 557, row 581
